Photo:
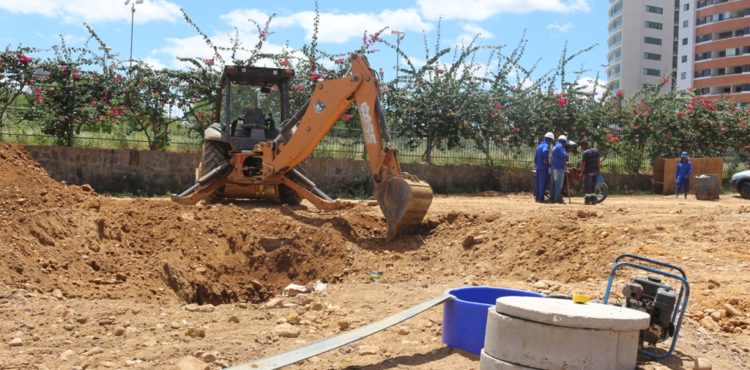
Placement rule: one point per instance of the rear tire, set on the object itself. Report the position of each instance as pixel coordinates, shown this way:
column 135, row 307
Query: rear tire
column 289, row 196
column 744, row 189
column 215, row 154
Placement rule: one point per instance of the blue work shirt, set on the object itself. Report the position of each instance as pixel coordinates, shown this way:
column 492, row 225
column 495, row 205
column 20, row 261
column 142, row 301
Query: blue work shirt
column 559, row 156
column 683, row 171
column 541, row 156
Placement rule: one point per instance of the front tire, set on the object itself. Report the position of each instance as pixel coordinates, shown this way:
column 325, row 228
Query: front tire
column 601, row 192
column 215, row 154
column 744, row 189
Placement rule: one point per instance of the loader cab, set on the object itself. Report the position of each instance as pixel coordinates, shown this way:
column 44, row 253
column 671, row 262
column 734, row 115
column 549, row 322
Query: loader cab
column 252, row 103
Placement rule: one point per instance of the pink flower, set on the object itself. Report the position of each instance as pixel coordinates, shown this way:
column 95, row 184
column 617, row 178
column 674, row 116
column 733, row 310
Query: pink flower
column 439, row 70
column 283, row 62
column 612, row 138
column 498, row 106
column 340, row 61
column 38, row 97
column 298, row 87
column 619, row 93
column 315, row 76
column 23, row 59
column 208, row 61
column 262, row 34
column 346, row 116
column 76, row 76
column 116, row 112
column 561, row 101
column 665, row 80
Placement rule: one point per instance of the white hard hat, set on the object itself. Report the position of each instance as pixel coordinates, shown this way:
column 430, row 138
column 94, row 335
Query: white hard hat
column 549, row 135
column 562, row 137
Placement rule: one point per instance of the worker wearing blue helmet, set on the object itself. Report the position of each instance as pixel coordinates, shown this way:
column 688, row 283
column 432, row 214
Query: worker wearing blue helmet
column 682, row 175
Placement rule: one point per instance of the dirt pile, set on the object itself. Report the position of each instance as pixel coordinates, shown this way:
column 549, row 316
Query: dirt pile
column 69, row 238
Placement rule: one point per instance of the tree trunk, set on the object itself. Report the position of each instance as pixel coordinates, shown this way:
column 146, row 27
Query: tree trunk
column 427, row 156
column 486, row 151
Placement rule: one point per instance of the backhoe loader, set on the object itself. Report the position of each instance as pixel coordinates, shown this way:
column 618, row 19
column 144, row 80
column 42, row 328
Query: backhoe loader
column 245, row 155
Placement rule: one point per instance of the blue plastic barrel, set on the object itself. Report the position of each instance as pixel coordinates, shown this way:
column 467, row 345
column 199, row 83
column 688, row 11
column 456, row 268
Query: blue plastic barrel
column 465, row 316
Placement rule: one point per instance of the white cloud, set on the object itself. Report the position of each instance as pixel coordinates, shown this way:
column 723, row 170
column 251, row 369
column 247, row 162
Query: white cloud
column 153, row 63
column 476, row 29
column 240, row 18
column 469, row 31
column 195, row 47
column 588, row 84
column 94, row 10
column 335, row 28
column 478, row 10
column 562, row 28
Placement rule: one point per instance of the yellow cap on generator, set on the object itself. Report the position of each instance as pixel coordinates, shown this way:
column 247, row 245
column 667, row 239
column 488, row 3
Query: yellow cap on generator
column 580, row 298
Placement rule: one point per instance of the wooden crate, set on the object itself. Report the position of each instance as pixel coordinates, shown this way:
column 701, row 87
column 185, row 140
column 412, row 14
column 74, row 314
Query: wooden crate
column 665, row 168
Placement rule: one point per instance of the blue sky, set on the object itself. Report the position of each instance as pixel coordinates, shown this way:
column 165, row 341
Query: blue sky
column 161, row 34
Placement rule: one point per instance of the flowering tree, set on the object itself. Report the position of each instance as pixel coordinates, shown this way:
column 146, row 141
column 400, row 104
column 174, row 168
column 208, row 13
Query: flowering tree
column 427, row 101
column 16, row 71
column 69, row 97
column 147, row 96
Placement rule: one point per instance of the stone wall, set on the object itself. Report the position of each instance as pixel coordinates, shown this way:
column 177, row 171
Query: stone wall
column 147, row 172
column 119, row 171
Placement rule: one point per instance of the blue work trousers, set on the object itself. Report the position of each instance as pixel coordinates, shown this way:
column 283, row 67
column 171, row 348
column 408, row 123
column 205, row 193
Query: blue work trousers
column 683, row 186
column 542, row 175
column 558, row 177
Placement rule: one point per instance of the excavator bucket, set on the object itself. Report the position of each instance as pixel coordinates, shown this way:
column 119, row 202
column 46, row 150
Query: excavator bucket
column 404, row 201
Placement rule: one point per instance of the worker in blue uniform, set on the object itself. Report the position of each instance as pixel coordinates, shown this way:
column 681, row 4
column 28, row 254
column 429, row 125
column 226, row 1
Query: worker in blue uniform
column 682, row 175
column 559, row 161
column 541, row 163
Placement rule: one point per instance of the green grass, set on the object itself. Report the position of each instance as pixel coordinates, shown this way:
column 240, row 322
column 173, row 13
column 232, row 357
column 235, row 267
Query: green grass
column 31, row 134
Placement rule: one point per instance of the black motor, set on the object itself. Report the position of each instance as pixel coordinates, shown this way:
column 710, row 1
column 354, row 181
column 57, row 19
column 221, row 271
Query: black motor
column 658, row 300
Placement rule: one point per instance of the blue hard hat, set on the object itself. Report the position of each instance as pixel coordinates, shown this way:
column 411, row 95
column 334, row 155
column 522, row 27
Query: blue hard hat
column 684, row 155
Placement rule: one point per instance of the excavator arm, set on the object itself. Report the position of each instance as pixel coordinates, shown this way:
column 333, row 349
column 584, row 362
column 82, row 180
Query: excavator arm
column 269, row 168
column 403, row 198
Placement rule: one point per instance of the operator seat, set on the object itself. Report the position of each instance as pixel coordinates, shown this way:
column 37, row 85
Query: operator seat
column 255, row 122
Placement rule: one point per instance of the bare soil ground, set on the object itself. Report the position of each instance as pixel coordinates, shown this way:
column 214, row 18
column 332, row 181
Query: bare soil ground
column 88, row 281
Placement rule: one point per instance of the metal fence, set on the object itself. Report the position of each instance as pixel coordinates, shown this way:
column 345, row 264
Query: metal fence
column 181, row 144
column 346, row 143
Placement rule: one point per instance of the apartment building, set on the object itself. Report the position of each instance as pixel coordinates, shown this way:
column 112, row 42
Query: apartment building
column 642, row 43
column 714, row 50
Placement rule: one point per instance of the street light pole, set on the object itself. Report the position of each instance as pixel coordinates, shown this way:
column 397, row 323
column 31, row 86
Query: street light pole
column 399, row 35
column 132, row 18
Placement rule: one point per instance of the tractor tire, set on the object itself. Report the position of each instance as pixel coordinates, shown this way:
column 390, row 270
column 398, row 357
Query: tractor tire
column 214, row 155
column 289, row 196
column 744, row 189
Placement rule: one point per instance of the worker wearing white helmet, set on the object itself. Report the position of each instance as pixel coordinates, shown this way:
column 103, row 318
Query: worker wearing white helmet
column 559, row 161
column 541, row 164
